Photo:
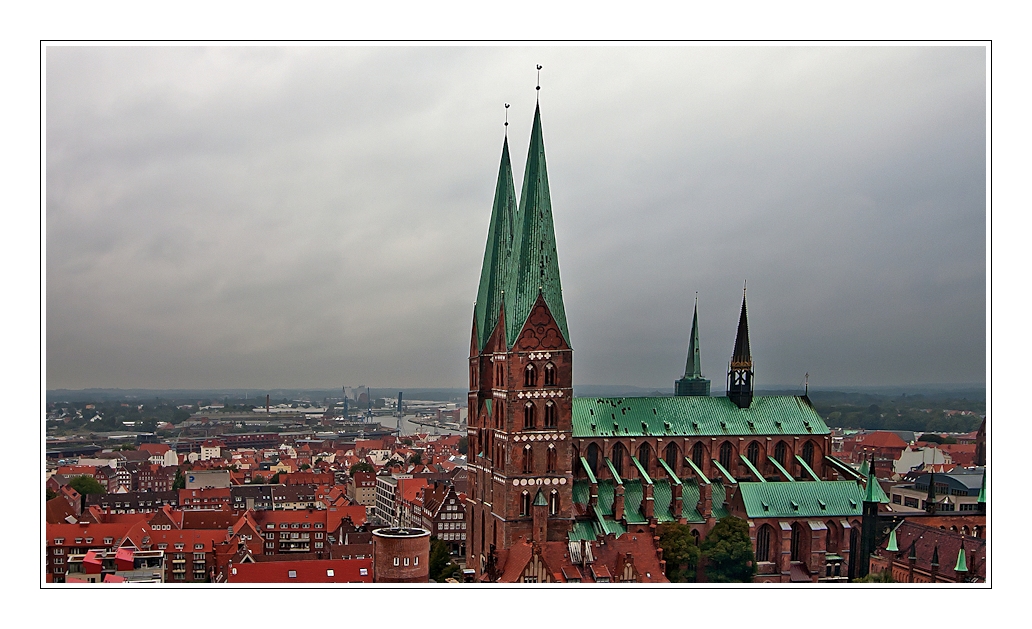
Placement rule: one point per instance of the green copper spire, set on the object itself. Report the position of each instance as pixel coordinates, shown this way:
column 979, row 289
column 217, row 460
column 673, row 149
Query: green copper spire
column 893, row 547
column 961, row 561
column 534, row 266
column 864, row 468
column 874, row 492
column 693, row 383
column 496, row 255
column 981, row 492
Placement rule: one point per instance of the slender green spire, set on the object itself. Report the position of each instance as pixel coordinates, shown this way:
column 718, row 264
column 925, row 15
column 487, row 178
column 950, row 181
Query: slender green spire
column 981, row 492
column 961, row 561
column 873, row 491
column 693, row 383
column 693, row 368
column 534, row 265
column 893, row 547
column 864, row 468
column 496, row 255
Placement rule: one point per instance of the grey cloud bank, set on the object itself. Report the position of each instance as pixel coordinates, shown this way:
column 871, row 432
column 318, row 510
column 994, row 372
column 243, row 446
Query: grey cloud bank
column 310, row 217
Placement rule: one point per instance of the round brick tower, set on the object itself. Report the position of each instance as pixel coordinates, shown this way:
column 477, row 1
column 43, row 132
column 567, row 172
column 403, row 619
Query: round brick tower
column 401, row 555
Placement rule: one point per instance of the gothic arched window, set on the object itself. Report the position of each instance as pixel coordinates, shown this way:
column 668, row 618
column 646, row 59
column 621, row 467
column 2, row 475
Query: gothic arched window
column 551, row 414
column 698, row 454
column 753, row 453
column 725, row 456
column 552, row 459
column 618, row 457
column 525, row 503
column 593, row 458
column 671, row 456
column 780, row 452
column 530, row 376
column 528, row 415
column 808, row 453
column 549, row 375
column 553, row 502
column 645, row 456
column 528, row 460
column 799, row 547
column 763, row 539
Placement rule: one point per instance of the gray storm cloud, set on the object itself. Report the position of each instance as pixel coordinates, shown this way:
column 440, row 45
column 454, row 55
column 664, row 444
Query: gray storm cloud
column 309, row 217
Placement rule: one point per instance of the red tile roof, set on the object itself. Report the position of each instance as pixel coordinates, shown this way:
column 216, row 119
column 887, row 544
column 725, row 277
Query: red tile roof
column 308, row 571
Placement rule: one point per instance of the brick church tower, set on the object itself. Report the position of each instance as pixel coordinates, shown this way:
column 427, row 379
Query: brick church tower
column 520, row 375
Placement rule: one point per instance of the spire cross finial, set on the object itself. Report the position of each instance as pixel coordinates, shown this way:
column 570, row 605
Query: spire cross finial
column 506, row 118
column 744, row 286
column 538, row 88
column 806, row 385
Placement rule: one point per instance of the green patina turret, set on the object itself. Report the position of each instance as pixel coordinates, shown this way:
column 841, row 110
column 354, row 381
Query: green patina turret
column 893, row 546
column 533, row 264
column 981, row 496
column 873, row 496
column 961, row 561
column 494, row 272
column 693, row 383
column 873, row 492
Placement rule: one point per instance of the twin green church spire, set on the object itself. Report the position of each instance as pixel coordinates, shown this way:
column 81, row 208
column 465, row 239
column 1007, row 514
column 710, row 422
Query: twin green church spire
column 520, row 262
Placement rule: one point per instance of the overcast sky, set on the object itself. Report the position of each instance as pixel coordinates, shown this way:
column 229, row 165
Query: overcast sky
column 315, row 217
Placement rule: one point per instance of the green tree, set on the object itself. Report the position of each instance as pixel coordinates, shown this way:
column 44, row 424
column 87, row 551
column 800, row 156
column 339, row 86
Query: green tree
column 179, row 482
column 416, row 458
column 304, row 466
column 930, row 437
column 275, row 479
column 679, row 551
column 441, row 565
column 258, row 479
column 51, row 494
column 728, row 552
column 876, row 577
column 361, row 466
column 463, row 445
column 86, row 485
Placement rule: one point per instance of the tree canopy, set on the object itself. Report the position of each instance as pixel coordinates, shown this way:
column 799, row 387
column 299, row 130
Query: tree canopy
column 441, row 564
column 728, row 552
column 679, row 551
column 86, row 485
column 361, row 466
column 877, row 577
column 179, row 482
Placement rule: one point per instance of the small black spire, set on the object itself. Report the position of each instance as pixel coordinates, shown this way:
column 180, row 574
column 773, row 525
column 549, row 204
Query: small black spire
column 740, row 372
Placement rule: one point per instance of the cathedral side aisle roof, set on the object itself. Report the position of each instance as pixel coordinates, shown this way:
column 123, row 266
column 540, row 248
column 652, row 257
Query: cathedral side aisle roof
column 694, row 416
